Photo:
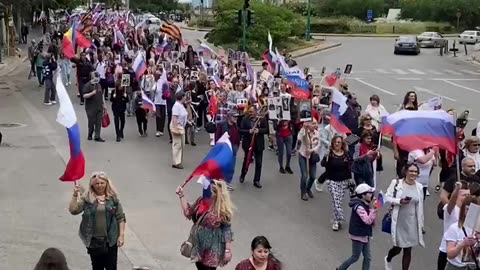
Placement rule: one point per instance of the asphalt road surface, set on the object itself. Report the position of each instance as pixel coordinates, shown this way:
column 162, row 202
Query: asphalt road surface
column 34, row 202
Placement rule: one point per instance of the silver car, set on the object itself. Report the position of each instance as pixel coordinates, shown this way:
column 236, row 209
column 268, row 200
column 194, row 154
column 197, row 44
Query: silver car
column 469, row 37
column 431, row 39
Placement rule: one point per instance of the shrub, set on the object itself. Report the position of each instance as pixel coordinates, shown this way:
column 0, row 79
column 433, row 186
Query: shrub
column 197, row 22
column 281, row 22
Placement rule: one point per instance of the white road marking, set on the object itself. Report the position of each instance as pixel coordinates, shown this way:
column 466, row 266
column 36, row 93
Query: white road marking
column 470, row 72
column 399, row 71
column 431, row 92
column 375, row 87
column 435, row 72
column 452, row 72
column 380, row 70
column 409, row 79
column 454, row 79
column 416, row 71
column 461, row 86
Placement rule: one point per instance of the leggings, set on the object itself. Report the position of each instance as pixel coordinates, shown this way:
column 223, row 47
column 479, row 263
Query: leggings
column 407, row 256
column 442, row 260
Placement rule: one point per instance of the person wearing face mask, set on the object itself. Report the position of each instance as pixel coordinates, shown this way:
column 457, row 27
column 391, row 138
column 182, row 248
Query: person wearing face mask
column 262, row 257
column 362, row 219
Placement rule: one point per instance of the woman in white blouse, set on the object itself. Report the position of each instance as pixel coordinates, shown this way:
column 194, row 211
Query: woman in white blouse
column 376, row 111
column 177, row 127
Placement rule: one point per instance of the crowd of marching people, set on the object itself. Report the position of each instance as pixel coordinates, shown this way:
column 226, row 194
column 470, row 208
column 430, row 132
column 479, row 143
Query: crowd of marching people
column 185, row 90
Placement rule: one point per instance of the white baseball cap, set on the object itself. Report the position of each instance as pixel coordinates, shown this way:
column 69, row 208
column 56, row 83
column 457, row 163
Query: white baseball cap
column 364, row 188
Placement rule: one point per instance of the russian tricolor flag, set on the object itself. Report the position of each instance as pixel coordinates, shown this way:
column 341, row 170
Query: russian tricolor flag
column 147, row 103
column 301, row 88
column 219, row 164
column 268, row 57
column 66, row 117
column 423, row 129
column 139, row 66
column 205, row 49
column 339, row 106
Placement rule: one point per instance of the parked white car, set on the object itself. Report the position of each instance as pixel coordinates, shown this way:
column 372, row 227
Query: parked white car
column 469, row 37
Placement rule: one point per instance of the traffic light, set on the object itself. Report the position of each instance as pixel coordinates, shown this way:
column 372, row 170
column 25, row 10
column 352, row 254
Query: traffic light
column 246, row 4
column 239, row 17
column 250, row 17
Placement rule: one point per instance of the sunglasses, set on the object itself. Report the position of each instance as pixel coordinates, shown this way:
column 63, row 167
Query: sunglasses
column 99, row 175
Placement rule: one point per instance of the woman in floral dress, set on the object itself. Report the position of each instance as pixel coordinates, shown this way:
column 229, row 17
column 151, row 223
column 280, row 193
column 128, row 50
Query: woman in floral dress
column 212, row 240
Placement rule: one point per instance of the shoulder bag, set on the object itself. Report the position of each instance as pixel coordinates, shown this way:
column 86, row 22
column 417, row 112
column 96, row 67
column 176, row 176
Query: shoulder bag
column 387, row 219
column 187, row 246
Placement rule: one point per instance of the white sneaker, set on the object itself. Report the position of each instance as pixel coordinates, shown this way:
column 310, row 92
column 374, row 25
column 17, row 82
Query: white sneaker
column 335, row 226
column 157, row 134
column 318, row 186
column 47, row 103
column 388, row 265
column 53, row 102
column 212, row 142
column 428, row 193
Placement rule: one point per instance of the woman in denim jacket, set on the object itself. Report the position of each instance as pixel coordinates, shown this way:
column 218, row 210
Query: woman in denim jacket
column 102, row 228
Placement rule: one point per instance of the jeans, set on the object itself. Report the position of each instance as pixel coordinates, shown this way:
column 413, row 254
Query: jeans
column 49, row 91
column 284, row 142
column 119, row 120
column 160, row 117
column 357, row 248
column 106, row 261
column 306, row 184
column 66, row 67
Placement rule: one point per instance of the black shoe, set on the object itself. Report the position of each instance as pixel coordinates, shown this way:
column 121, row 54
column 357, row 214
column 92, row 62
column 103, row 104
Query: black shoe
column 99, row 140
column 179, row 166
column 310, row 194
column 121, row 134
column 118, row 138
column 257, row 184
column 81, row 103
column 304, row 197
column 282, row 170
column 187, row 142
column 242, row 179
column 170, row 141
column 194, row 144
column 89, row 138
column 288, row 170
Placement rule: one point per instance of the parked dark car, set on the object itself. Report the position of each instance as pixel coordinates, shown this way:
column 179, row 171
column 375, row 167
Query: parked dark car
column 406, row 44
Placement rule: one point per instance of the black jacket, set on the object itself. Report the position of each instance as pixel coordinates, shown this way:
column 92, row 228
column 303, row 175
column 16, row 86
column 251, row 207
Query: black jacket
column 119, row 103
column 84, row 68
column 245, row 125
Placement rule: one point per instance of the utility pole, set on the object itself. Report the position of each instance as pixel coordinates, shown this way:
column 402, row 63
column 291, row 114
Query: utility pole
column 246, row 5
column 2, row 14
column 309, row 14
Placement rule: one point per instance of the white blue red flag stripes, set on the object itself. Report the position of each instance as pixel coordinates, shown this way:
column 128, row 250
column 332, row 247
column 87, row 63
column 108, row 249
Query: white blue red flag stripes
column 139, row 66
column 339, row 106
column 219, row 162
column 422, row 129
column 66, row 116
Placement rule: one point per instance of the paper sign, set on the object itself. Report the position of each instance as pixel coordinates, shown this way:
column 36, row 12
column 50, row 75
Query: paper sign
column 125, row 80
column 305, row 111
column 348, row 69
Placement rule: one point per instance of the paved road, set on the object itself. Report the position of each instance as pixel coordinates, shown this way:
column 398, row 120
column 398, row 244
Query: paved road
column 376, row 70
column 34, row 215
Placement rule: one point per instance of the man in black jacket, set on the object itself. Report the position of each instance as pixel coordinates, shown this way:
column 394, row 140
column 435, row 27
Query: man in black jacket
column 84, row 69
column 49, row 66
column 249, row 132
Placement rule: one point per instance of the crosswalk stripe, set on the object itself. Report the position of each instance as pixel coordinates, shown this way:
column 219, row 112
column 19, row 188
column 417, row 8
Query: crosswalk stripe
column 470, row 72
column 379, row 70
column 399, row 71
column 435, row 72
column 416, row 71
column 452, row 72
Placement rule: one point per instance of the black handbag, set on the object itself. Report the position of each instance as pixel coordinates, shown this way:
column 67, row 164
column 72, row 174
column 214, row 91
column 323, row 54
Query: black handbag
column 210, row 127
column 387, row 219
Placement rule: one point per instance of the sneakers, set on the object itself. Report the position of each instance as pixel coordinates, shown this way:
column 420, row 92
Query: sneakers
column 318, row 186
column 53, row 102
column 158, row 134
column 212, row 142
column 294, row 152
column 428, row 193
column 336, row 226
column 310, row 194
column 388, row 265
column 271, row 148
column 47, row 103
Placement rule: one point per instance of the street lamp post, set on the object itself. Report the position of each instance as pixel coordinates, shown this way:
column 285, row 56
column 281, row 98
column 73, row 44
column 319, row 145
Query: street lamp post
column 244, row 29
column 309, row 14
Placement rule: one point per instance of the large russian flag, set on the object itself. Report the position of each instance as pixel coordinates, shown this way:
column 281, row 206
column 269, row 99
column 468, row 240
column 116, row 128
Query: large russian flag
column 423, row 129
column 219, row 164
column 339, row 106
column 66, row 117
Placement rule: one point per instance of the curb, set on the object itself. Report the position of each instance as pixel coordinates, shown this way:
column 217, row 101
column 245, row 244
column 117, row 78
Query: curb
column 298, row 53
column 197, row 29
column 371, row 35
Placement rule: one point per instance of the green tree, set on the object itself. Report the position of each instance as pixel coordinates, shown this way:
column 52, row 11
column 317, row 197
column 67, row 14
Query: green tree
column 281, row 22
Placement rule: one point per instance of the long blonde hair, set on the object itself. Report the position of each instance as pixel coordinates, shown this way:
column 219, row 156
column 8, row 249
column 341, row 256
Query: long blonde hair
column 222, row 205
column 110, row 191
